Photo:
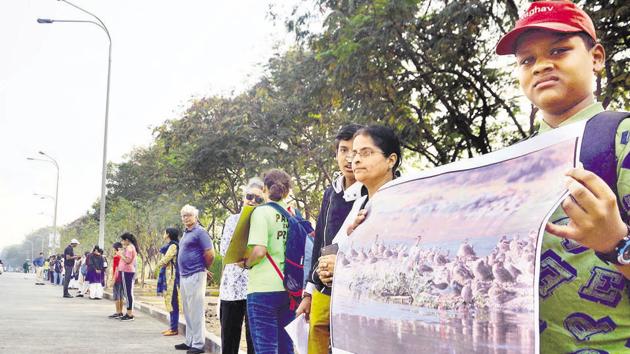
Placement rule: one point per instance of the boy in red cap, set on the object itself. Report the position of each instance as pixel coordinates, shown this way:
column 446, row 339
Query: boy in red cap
column 585, row 256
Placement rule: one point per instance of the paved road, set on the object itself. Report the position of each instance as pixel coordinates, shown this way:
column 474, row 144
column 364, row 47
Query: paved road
column 36, row 319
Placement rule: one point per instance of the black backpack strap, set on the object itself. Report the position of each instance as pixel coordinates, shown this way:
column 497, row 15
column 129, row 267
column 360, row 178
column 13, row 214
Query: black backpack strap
column 597, row 152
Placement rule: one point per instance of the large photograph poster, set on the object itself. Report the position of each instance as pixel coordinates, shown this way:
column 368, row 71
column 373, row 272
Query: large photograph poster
column 446, row 262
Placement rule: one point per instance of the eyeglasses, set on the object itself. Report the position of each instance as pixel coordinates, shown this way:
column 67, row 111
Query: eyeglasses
column 363, row 153
column 258, row 199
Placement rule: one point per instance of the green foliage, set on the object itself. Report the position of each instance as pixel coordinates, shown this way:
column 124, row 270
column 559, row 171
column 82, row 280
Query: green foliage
column 425, row 68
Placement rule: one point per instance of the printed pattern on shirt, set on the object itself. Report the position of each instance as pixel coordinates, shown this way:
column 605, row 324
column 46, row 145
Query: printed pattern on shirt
column 590, row 351
column 605, row 287
column 234, row 278
column 285, row 225
column 573, row 247
column 568, row 244
column 583, row 326
column 553, row 273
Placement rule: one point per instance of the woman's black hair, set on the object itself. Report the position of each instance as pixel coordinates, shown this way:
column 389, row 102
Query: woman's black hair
column 173, row 233
column 386, row 140
column 346, row 133
column 131, row 238
column 278, row 183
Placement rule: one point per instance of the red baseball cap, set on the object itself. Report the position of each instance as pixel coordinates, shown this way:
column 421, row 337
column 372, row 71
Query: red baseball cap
column 558, row 16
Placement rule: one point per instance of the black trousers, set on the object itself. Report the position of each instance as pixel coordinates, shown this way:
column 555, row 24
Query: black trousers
column 66, row 279
column 232, row 315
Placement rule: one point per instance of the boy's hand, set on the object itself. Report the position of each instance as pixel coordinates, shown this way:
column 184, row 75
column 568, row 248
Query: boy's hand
column 594, row 215
column 304, row 308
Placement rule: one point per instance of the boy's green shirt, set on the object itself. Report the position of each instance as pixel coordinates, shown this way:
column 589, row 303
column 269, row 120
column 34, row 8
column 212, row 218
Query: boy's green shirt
column 267, row 228
column 584, row 302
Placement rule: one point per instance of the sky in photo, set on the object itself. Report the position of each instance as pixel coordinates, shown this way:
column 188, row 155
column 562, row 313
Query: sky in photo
column 53, row 80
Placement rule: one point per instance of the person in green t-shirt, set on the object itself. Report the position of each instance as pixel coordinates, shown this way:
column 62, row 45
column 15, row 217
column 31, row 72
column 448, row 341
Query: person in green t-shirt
column 584, row 300
column 267, row 301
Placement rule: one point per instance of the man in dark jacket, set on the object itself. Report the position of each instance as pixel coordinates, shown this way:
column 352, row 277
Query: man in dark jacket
column 336, row 204
column 69, row 258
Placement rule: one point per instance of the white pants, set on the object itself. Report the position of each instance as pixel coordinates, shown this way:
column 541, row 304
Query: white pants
column 39, row 274
column 193, row 288
column 96, row 290
column 83, row 285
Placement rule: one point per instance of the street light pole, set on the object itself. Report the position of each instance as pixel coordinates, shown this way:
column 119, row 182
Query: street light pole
column 54, row 162
column 101, row 25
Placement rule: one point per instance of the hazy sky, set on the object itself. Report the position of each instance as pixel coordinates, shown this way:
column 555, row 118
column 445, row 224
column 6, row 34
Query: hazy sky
column 53, row 79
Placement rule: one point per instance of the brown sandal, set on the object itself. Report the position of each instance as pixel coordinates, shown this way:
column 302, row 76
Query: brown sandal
column 170, row 333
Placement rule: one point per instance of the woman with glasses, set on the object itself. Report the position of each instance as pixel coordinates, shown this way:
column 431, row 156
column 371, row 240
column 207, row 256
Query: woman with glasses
column 375, row 160
column 233, row 290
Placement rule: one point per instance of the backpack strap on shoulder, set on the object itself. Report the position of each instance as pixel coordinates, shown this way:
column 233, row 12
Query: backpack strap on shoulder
column 279, row 209
column 286, row 214
column 597, row 152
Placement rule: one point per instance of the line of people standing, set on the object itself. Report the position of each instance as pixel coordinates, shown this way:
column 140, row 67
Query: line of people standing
column 252, row 290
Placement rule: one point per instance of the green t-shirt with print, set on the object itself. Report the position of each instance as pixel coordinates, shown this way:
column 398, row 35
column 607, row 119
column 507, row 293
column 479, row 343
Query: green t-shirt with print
column 584, row 302
column 267, row 228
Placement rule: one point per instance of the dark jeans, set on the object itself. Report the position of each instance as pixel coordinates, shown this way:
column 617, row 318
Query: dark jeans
column 175, row 312
column 268, row 315
column 127, row 281
column 231, row 315
column 66, row 279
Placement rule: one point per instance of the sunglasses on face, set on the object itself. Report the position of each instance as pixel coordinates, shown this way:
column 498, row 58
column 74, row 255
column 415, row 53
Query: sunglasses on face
column 254, row 197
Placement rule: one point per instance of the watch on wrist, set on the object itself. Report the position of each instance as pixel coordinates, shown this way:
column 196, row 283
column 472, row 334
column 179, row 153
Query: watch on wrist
column 620, row 255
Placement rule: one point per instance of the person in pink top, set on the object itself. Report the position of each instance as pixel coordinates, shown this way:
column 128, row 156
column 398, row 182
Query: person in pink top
column 127, row 269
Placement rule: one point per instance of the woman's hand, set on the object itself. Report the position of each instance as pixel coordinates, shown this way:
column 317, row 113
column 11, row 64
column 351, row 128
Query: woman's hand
column 357, row 221
column 326, row 268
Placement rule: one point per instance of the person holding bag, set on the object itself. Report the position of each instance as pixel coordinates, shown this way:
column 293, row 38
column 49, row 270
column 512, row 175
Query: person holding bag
column 268, row 303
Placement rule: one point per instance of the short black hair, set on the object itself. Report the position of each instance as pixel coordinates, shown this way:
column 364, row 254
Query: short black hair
column 117, row 245
column 589, row 42
column 173, row 233
column 346, row 133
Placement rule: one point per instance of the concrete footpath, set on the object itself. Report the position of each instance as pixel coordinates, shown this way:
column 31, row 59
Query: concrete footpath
column 36, row 319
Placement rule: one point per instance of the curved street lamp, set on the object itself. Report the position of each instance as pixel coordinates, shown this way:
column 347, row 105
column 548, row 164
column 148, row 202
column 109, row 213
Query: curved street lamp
column 101, row 25
column 51, row 160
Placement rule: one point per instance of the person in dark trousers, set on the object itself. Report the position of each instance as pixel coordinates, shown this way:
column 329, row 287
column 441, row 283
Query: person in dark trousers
column 233, row 290
column 69, row 257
